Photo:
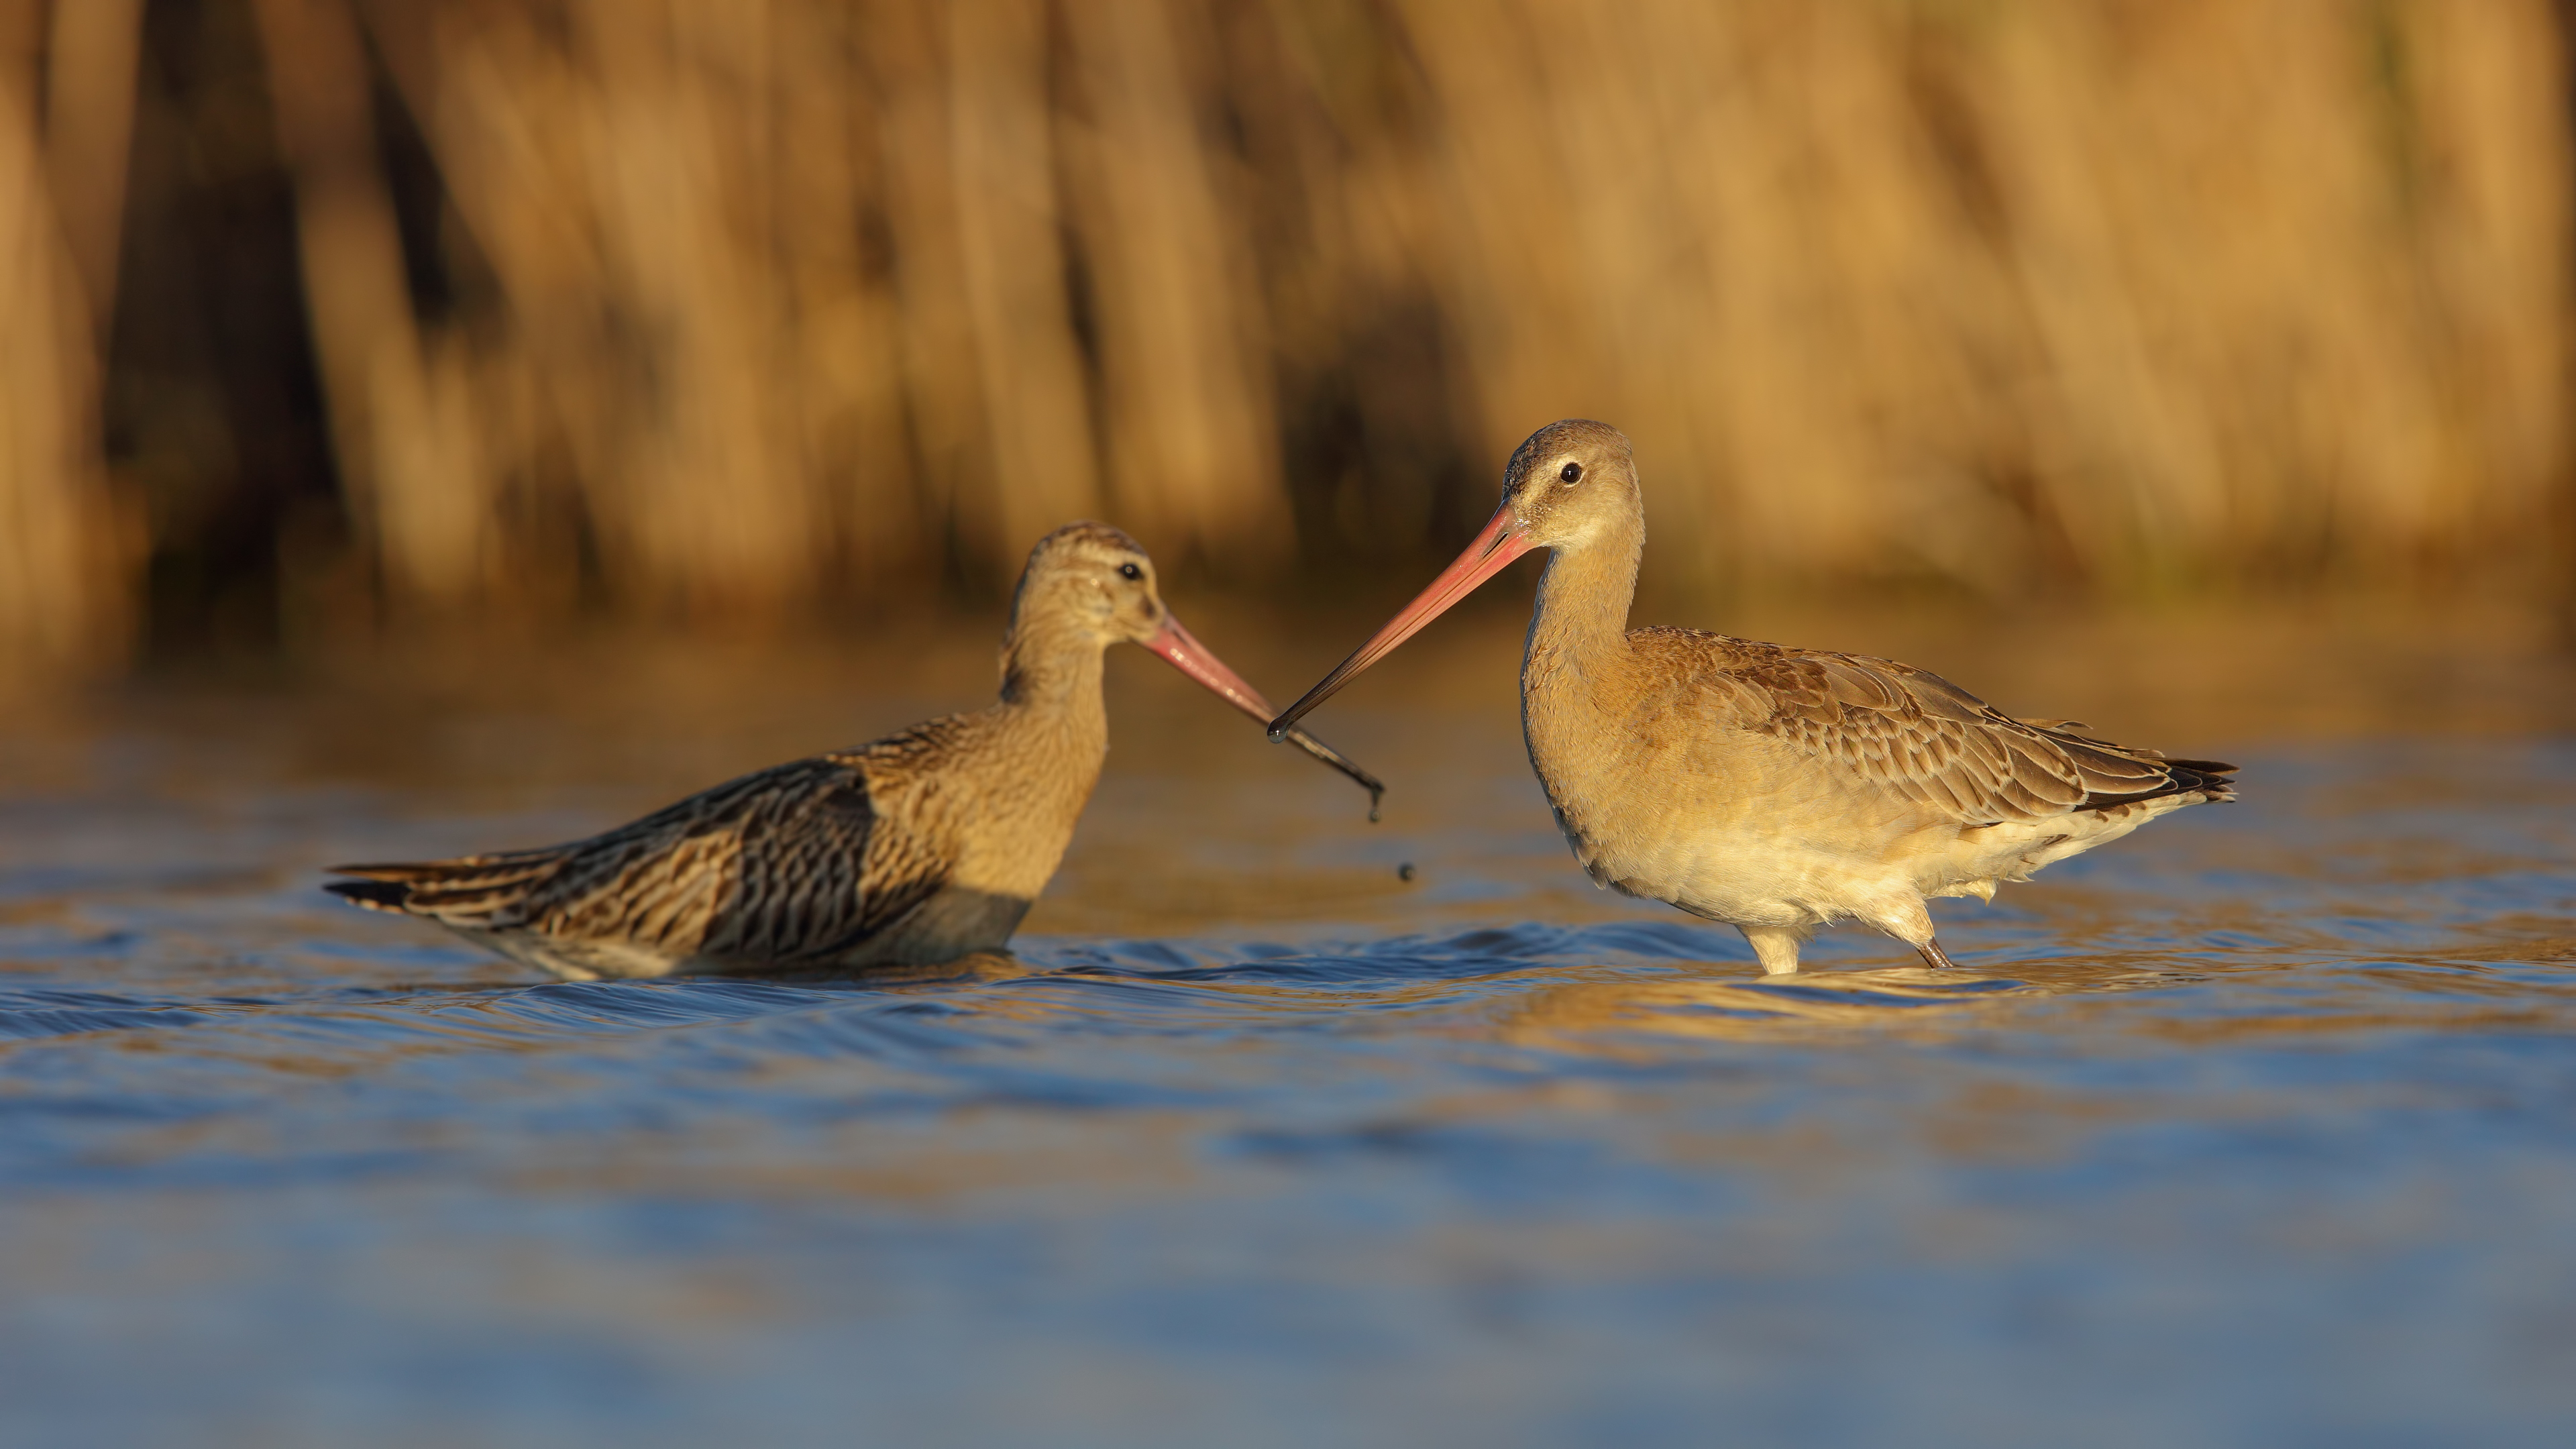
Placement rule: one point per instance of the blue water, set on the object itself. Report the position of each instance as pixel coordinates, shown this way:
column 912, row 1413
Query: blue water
column 2258, row 1128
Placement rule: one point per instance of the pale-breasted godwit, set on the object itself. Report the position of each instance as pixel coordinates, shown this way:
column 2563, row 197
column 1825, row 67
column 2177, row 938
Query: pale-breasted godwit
column 1773, row 789
column 924, row 847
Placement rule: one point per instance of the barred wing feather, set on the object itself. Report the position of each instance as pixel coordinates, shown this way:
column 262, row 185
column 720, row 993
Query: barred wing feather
column 1918, row 736
column 788, row 863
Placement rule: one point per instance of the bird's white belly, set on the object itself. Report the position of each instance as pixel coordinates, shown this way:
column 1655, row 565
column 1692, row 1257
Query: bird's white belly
column 1760, row 878
column 1875, row 867
column 1751, row 848
column 1795, row 855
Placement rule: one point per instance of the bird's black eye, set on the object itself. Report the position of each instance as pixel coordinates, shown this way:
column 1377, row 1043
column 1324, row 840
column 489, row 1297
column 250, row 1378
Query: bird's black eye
column 1130, row 571
column 1570, row 472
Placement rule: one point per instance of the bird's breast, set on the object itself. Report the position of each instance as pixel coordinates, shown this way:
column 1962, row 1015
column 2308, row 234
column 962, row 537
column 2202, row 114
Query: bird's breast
column 1014, row 811
column 1632, row 787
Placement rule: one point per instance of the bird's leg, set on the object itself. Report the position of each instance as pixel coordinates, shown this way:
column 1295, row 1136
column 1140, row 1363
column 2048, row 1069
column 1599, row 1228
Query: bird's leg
column 1913, row 925
column 1776, row 947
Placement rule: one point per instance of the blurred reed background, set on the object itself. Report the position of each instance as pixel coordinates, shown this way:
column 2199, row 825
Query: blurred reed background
column 320, row 313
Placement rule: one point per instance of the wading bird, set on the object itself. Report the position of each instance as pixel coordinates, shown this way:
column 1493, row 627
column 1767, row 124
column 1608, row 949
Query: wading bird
column 921, row 848
column 1774, row 789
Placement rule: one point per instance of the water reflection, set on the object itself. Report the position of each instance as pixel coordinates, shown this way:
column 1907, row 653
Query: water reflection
column 1909, row 1001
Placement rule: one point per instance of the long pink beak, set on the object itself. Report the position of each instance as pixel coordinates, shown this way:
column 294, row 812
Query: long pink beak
column 1197, row 661
column 1500, row 543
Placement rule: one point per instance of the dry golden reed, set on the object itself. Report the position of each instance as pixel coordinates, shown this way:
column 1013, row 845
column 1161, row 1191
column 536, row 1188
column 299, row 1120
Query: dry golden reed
column 780, row 299
column 65, row 94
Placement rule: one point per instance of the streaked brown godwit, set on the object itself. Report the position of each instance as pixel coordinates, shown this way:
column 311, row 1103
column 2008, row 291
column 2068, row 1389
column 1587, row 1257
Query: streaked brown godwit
column 1774, row 789
column 924, row 847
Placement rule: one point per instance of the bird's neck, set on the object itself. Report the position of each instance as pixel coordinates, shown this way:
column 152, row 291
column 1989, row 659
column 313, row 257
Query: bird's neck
column 1051, row 683
column 1580, row 627
column 1574, row 667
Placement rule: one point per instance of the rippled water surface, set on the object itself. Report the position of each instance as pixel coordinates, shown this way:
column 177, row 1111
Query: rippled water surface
column 2258, row 1128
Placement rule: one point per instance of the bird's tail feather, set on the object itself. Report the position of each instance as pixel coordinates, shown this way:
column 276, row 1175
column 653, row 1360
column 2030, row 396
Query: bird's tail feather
column 466, row 886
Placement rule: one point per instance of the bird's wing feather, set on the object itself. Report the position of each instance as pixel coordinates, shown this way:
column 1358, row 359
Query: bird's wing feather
column 791, row 862
column 1915, row 734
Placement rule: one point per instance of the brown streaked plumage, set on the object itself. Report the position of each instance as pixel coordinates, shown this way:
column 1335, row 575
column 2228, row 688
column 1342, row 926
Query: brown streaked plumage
column 1774, row 789
column 923, row 847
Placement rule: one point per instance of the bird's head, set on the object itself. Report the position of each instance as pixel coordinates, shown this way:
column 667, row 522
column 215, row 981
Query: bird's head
column 1565, row 484
column 1094, row 581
